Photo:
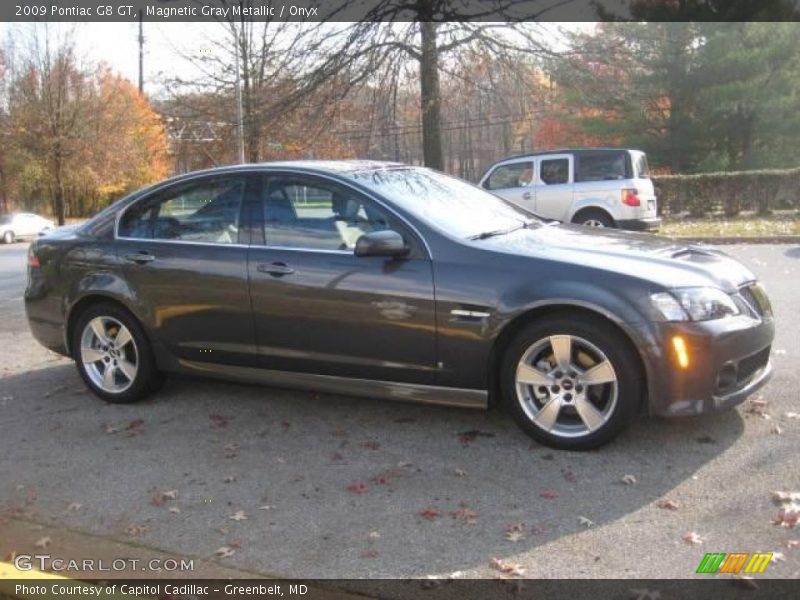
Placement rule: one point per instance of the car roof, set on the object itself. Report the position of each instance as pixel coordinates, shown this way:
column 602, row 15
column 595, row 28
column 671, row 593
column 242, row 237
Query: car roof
column 312, row 166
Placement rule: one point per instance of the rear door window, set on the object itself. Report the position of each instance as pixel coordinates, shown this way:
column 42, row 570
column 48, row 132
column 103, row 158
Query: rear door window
column 554, row 171
column 602, row 166
column 514, row 175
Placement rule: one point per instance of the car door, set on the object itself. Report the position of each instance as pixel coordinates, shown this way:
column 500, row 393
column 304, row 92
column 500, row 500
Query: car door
column 513, row 181
column 26, row 225
column 320, row 309
column 554, row 186
column 184, row 256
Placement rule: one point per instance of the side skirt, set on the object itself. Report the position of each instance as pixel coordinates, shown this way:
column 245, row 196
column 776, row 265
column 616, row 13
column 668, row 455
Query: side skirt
column 345, row 386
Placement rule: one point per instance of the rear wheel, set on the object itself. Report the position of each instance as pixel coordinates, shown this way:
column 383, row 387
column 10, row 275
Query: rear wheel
column 113, row 355
column 572, row 384
column 594, row 218
column 8, row 237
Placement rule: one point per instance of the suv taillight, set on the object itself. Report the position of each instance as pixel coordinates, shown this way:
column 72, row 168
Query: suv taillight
column 630, row 197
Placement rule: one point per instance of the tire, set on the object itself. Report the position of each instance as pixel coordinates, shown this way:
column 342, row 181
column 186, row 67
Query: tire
column 615, row 397
column 8, row 237
column 133, row 374
column 594, row 218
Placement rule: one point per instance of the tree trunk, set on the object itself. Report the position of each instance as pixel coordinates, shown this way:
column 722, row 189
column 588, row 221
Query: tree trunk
column 429, row 88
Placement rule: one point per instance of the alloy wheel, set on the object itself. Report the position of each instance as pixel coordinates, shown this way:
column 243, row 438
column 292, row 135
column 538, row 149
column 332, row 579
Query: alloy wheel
column 566, row 386
column 109, row 354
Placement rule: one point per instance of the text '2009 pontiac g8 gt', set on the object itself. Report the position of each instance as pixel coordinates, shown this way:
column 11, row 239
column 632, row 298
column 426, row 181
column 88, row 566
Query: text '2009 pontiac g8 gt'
column 383, row 280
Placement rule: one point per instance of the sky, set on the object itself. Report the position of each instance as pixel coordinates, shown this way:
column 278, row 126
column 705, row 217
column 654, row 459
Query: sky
column 116, row 44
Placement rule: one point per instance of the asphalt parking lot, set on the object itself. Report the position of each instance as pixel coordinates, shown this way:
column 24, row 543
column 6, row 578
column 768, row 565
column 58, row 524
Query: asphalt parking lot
column 306, row 485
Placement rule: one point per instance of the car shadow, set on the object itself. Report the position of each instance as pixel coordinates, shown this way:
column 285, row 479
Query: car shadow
column 793, row 252
column 328, row 486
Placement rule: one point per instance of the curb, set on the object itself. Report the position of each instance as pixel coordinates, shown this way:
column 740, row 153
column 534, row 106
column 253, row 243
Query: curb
column 775, row 239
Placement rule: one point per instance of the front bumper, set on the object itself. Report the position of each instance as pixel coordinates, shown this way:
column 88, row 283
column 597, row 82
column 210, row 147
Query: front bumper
column 648, row 224
column 728, row 360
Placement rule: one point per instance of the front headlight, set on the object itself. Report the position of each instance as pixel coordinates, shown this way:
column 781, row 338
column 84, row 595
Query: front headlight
column 694, row 304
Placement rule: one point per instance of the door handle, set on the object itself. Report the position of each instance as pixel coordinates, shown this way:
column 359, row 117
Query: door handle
column 277, row 269
column 140, row 257
column 526, row 196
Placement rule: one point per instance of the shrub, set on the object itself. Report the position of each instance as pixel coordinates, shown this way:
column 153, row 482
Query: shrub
column 729, row 193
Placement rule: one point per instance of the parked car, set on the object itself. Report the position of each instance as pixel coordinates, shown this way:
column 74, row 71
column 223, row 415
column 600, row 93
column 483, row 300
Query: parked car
column 601, row 187
column 382, row 280
column 20, row 226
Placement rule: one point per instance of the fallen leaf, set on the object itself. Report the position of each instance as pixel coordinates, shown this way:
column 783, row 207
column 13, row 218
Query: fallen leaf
column 667, row 504
column 74, row 506
column 374, row 535
column 43, row 542
column 231, row 450
column 514, row 536
column 371, row 553
column 792, row 543
column 460, row 473
column 174, row 509
column 219, row 421
column 776, row 429
column 229, row 479
column 785, row 497
column 239, row 515
column 225, row 552
column 792, row 415
column 787, row 518
column 779, row 557
column 779, row 351
column 586, row 522
column 629, row 479
column 569, row 475
column 518, row 526
column 357, row 487
column 430, row 513
column 161, row 498
column 693, row 538
column 466, row 516
column 549, row 494
column 134, row 529
column 467, row 437
column 266, row 507
column 507, row 568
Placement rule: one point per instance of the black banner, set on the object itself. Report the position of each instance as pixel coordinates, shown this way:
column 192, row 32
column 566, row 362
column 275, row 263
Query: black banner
column 711, row 588
column 396, row 10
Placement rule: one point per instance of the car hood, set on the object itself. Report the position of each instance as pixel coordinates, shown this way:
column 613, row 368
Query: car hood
column 664, row 261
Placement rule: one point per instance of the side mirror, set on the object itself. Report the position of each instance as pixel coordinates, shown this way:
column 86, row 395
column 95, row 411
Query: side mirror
column 381, row 243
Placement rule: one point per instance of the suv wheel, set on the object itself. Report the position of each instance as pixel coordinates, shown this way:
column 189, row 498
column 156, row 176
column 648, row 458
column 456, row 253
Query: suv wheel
column 572, row 384
column 594, row 218
column 8, row 237
column 113, row 355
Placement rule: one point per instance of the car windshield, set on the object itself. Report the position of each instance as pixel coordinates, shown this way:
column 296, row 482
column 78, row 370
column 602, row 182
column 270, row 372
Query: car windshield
column 454, row 206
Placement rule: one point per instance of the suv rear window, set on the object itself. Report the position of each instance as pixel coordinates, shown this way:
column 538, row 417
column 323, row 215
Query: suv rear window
column 642, row 171
column 602, row 166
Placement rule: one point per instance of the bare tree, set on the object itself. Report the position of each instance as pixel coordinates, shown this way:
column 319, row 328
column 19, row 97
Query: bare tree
column 427, row 32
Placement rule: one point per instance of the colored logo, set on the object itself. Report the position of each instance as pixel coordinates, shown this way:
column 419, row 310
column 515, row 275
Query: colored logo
column 736, row 562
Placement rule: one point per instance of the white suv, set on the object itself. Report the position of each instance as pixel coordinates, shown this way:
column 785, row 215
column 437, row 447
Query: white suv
column 601, row 187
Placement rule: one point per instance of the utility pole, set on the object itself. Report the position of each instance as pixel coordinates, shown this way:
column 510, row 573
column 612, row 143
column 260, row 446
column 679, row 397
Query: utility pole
column 239, row 120
column 141, row 53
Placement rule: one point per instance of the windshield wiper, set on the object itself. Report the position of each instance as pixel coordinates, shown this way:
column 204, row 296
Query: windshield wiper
column 487, row 234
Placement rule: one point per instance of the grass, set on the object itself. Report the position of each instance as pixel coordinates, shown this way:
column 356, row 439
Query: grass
column 744, row 225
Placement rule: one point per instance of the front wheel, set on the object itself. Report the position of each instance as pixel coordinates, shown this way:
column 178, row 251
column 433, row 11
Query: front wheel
column 8, row 237
column 113, row 355
column 572, row 384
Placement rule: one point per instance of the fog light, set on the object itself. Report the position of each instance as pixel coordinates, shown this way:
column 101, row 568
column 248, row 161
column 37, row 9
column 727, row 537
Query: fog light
column 679, row 345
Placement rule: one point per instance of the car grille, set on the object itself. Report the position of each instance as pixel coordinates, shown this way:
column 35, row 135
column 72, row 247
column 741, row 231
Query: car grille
column 756, row 299
column 751, row 365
